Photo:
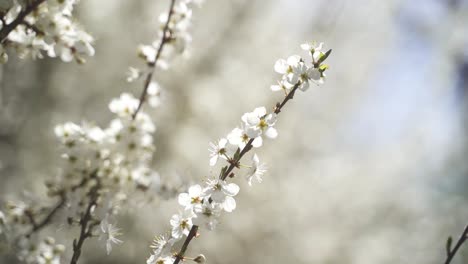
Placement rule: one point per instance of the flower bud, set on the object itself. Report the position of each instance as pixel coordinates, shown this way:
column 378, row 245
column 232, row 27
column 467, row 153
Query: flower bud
column 200, row 259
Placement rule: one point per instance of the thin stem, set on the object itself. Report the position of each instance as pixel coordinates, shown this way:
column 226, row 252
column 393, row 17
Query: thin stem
column 39, row 225
column 86, row 223
column 5, row 31
column 152, row 65
column 452, row 252
column 190, row 236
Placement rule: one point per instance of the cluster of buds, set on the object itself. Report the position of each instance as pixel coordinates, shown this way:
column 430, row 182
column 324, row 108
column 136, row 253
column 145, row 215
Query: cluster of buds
column 203, row 205
column 38, row 27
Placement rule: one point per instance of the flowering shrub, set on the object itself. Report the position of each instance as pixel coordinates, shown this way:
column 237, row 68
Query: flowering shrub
column 104, row 169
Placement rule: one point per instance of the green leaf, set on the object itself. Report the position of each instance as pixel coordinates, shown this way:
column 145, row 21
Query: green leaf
column 323, row 67
column 324, row 57
column 223, row 171
column 237, row 154
column 448, row 245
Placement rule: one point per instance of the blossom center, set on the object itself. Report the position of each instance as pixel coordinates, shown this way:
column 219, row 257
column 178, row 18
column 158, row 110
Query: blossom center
column 196, row 200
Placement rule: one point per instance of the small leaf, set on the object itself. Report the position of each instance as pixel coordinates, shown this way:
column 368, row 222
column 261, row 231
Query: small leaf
column 324, row 57
column 223, row 171
column 236, row 155
column 448, row 245
column 323, row 67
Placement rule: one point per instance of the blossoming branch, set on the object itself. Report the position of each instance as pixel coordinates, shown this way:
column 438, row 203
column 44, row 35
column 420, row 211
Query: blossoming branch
column 203, row 204
column 35, row 27
column 102, row 168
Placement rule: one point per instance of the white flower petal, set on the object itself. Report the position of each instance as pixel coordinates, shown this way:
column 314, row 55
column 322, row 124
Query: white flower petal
column 229, row 204
column 231, row 189
column 281, row 66
column 184, row 200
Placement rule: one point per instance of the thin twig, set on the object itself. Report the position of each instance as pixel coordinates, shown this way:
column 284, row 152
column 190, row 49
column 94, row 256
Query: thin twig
column 190, row 236
column 5, row 31
column 38, row 226
column 248, row 146
column 152, row 64
column 452, row 252
column 246, row 149
column 86, row 224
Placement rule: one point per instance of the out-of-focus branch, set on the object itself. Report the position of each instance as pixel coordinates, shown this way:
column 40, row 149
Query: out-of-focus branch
column 5, row 31
column 36, row 226
column 86, row 222
column 152, row 65
column 451, row 252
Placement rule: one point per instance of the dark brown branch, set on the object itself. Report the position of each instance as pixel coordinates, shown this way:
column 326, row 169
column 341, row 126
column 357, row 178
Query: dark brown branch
column 6, row 30
column 86, row 223
column 452, row 252
column 183, row 249
column 246, row 149
column 152, row 65
column 38, row 226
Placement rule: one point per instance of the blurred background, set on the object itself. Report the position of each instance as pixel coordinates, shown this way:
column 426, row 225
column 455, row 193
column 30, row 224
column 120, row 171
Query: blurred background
column 369, row 168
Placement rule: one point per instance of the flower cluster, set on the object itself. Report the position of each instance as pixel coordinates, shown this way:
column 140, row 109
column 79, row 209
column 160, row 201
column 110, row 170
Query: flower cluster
column 173, row 38
column 35, row 28
column 203, row 204
column 46, row 251
column 101, row 167
column 295, row 70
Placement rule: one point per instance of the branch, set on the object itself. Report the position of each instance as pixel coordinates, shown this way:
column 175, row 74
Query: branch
column 5, row 31
column 223, row 176
column 452, row 252
column 190, row 236
column 38, row 226
column 248, row 146
column 152, row 65
column 86, row 225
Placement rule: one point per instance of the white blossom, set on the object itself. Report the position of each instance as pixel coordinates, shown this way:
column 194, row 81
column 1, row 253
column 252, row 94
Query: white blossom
column 314, row 49
column 221, row 149
column 193, row 199
column 256, row 170
column 258, row 123
column 209, row 215
column 124, row 106
column 238, row 137
column 181, row 223
column 222, row 192
column 133, row 74
column 109, row 233
column 161, row 246
column 160, row 260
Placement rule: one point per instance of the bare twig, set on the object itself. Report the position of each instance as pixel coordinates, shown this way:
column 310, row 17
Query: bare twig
column 452, row 252
column 190, row 236
column 5, row 31
column 152, row 65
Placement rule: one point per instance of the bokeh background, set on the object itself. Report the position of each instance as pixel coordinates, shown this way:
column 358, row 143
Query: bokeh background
column 369, row 168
